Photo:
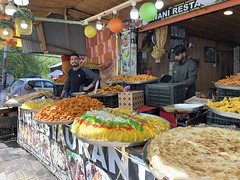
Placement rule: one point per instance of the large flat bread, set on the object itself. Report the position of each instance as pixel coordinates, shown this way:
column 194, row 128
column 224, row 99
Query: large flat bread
column 196, row 152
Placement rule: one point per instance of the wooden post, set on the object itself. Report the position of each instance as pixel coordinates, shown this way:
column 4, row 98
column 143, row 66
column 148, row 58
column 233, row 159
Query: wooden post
column 4, row 67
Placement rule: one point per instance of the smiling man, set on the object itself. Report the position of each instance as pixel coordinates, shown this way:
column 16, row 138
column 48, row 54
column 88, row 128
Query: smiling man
column 78, row 76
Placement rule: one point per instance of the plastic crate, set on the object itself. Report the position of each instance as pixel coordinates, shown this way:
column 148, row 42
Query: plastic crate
column 142, row 86
column 109, row 101
column 213, row 118
column 227, row 93
column 162, row 94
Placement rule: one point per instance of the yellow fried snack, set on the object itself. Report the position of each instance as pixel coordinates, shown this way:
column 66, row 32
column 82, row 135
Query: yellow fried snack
column 226, row 105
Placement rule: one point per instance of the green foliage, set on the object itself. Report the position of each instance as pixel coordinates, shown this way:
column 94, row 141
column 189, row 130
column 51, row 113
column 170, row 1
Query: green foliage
column 24, row 14
column 22, row 65
column 6, row 24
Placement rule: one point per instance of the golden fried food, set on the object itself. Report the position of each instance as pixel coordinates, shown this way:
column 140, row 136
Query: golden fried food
column 142, row 77
column 68, row 108
column 109, row 89
column 226, row 105
column 121, row 77
column 231, row 80
column 91, row 65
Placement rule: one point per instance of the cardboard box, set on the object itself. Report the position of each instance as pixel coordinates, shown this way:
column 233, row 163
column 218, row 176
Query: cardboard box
column 131, row 99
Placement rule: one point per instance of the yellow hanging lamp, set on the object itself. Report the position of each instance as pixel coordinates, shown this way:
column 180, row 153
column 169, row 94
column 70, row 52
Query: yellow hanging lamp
column 6, row 29
column 23, row 21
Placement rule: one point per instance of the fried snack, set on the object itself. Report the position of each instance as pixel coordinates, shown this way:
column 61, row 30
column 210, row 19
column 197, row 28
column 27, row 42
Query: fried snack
column 231, row 80
column 109, row 89
column 226, row 105
column 68, row 108
column 121, row 77
column 91, row 65
column 196, row 153
column 142, row 77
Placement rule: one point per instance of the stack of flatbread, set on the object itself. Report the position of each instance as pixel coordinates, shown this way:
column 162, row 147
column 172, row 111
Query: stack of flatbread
column 196, row 153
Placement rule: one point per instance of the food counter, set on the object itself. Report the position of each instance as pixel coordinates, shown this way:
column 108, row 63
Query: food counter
column 68, row 157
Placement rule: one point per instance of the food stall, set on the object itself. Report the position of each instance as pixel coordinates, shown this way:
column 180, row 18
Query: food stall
column 68, row 155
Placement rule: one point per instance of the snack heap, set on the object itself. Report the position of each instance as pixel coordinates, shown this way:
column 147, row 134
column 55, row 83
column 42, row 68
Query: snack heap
column 121, row 77
column 226, row 105
column 113, row 125
column 142, row 77
column 109, row 89
column 68, row 108
column 231, row 80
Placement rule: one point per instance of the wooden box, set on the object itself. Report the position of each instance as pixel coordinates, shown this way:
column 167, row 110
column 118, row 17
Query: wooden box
column 131, row 99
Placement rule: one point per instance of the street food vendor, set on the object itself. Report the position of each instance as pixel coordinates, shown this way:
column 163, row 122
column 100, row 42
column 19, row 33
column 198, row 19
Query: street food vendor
column 21, row 90
column 184, row 70
column 78, row 77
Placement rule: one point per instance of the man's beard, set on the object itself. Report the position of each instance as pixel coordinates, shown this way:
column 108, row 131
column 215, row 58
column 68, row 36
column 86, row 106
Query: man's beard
column 74, row 65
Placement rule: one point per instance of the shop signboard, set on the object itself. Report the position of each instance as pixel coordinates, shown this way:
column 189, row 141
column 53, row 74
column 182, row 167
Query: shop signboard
column 70, row 158
column 184, row 7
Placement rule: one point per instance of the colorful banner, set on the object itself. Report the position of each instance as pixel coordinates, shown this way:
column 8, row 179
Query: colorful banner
column 129, row 53
column 70, row 158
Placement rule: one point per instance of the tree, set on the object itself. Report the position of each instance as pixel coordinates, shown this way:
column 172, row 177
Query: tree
column 23, row 65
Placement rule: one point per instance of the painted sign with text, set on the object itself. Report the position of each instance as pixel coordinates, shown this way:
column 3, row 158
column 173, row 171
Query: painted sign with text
column 185, row 7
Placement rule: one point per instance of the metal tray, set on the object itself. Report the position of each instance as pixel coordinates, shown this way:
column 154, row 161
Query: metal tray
column 226, row 114
column 54, row 122
column 31, row 110
column 142, row 82
column 111, row 143
column 77, row 93
column 220, row 86
column 153, row 170
column 183, row 108
column 114, row 82
column 159, row 117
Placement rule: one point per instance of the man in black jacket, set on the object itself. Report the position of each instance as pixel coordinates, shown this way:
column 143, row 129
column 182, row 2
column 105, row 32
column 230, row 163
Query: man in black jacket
column 184, row 70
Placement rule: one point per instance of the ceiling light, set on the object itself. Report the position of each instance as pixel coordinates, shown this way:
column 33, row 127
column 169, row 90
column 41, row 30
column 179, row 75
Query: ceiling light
column 21, row 2
column 10, row 9
column 159, row 4
column 134, row 14
column 228, row 12
column 24, row 25
column 5, row 32
column 99, row 24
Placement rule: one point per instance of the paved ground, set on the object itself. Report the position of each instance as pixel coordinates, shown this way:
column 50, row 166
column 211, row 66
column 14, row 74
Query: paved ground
column 18, row 164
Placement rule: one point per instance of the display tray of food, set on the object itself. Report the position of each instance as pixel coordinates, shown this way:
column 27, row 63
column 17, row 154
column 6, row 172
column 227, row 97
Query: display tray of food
column 228, row 107
column 117, row 127
column 62, row 122
column 12, row 103
column 183, row 108
column 142, row 82
column 194, row 153
column 77, row 93
column 221, row 86
column 114, row 82
column 226, row 114
column 67, row 109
